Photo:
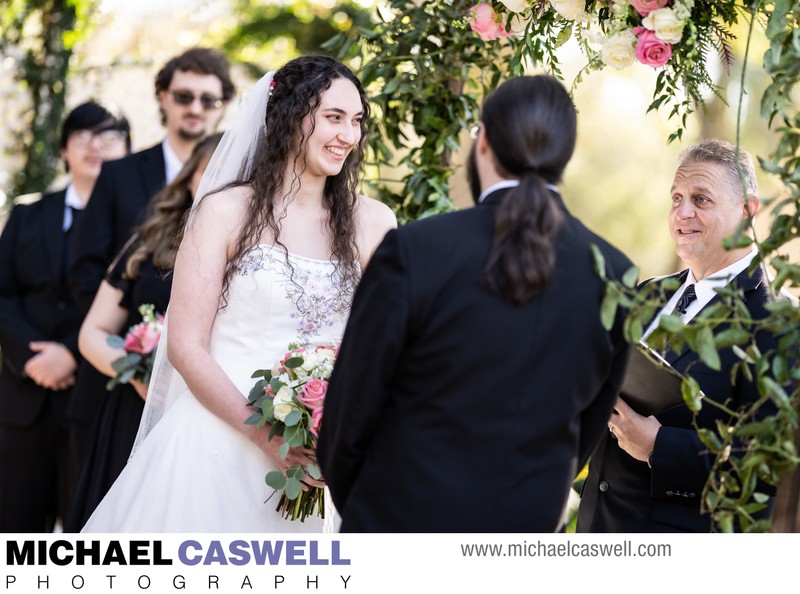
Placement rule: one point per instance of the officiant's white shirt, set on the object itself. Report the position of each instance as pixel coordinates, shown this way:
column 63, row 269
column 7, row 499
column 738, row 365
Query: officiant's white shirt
column 705, row 290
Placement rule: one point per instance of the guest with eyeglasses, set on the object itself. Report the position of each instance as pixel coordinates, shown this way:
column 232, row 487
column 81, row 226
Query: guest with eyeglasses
column 192, row 90
column 39, row 324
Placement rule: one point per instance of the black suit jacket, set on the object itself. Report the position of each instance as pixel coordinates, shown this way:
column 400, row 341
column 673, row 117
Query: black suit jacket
column 117, row 205
column 622, row 494
column 451, row 409
column 35, row 303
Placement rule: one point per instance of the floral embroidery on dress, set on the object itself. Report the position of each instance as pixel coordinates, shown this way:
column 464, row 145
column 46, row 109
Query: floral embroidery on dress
column 315, row 287
column 319, row 300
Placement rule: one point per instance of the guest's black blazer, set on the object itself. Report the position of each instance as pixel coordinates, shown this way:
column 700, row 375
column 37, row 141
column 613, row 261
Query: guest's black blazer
column 35, row 304
column 622, row 494
column 117, row 205
column 451, row 409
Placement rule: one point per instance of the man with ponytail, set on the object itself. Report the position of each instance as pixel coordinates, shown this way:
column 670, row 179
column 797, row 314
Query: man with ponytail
column 475, row 375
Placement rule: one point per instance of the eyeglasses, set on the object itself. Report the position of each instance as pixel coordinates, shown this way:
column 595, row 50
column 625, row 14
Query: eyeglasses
column 208, row 102
column 108, row 137
column 474, row 130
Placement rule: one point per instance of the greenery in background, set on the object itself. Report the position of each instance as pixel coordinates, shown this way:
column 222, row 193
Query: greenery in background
column 41, row 35
column 425, row 79
column 263, row 27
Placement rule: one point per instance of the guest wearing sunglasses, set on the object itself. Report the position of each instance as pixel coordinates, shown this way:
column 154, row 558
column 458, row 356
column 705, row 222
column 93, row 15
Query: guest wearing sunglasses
column 192, row 90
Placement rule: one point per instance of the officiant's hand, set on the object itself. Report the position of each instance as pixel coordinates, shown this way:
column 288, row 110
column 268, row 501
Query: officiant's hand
column 634, row 433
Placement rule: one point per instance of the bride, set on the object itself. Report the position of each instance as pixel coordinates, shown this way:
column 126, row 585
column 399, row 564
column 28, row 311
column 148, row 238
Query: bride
column 271, row 254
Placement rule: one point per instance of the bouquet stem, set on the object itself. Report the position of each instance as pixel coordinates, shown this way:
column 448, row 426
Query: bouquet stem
column 308, row 503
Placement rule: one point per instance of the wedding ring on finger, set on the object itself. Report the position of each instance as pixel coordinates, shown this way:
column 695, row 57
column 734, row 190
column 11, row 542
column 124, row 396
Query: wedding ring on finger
column 312, row 457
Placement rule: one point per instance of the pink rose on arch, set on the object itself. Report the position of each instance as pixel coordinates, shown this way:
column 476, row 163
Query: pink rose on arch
column 487, row 23
column 645, row 7
column 316, row 421
column 313, row 393
column 142, row 339
column 650, row 50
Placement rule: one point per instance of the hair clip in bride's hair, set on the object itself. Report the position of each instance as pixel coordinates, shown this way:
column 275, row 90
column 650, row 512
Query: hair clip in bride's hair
column 271, row 88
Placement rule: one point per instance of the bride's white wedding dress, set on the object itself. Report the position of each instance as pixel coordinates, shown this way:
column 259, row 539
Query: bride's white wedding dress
column 196, row 473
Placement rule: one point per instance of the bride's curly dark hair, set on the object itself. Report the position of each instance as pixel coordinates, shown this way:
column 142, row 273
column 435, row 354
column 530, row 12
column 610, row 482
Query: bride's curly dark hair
column 296, row 93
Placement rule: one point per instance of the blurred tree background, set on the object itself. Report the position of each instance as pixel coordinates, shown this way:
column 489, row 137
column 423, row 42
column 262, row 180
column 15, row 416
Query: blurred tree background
column 60, row 52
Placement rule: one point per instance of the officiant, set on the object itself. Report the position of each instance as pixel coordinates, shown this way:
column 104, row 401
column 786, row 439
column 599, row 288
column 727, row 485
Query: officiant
column 648, row 472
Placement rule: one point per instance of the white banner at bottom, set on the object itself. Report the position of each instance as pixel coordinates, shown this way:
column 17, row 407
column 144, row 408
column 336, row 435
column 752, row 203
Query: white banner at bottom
column 388, row 563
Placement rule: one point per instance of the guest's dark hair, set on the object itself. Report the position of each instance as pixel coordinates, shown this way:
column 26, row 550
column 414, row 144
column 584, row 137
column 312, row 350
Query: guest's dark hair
column 530, row 125
column 296, row 94
column 95, row 117
column 201, row 60
column 160, row 234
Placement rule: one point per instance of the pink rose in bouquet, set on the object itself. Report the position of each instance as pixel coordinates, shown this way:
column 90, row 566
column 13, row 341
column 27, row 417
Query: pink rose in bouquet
column 142, row 338
column 290, row 397
column 312, row 393
column 645, row 7
column 650, row 50
column 140, row 344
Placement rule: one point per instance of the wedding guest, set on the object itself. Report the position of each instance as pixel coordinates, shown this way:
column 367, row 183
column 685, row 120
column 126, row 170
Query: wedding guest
column 39, row 324
column 139, row 275
column 192, row 90
column 474, row 373
column 272, row 251
column 647, row 473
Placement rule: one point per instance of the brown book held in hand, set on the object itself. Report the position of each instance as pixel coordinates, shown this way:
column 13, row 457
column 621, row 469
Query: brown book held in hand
column 651, row 385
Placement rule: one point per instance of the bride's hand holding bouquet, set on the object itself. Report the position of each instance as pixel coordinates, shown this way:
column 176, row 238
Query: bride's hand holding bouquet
column 289, row 398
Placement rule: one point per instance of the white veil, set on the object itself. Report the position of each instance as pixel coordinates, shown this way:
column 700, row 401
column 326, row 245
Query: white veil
column 233, row 160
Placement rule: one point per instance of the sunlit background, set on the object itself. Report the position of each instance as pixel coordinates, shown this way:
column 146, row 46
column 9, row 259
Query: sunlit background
column 618, row 183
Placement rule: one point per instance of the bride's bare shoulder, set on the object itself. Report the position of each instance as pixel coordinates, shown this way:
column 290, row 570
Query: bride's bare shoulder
column 375, row 219
column 373, row 214
column 227, row 208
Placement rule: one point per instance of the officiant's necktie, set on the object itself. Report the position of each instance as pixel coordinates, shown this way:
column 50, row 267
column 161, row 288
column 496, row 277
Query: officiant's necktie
column 685, row 300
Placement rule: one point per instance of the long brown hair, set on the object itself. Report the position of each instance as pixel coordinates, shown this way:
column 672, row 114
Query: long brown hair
column 296, row 93
column 530, row 125
column 160, row 234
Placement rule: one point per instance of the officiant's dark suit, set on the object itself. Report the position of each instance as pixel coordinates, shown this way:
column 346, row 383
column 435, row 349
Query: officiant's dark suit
column 455, row 407
column 633, row 491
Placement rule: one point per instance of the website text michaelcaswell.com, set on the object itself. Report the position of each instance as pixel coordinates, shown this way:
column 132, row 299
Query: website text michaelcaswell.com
column 537, row 548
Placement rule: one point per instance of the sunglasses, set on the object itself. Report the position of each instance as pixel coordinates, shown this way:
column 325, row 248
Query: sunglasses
column 208, row 102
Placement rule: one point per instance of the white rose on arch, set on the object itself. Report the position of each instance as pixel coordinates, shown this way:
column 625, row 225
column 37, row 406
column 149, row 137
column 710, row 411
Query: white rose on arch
column 665, row 24
column 515, row 5
column 619, row 50
column 572, row 10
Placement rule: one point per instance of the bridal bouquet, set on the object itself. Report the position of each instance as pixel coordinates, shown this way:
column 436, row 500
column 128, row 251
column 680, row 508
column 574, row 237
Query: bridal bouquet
column 289, row 397
column 140, row 348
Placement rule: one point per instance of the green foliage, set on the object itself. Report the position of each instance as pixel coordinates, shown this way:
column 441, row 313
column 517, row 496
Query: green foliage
column 425, row 78
column 301, row 26
column 41, row 35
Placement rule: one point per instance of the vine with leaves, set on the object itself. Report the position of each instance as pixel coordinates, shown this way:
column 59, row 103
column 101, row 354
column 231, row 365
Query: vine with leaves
column 42, row 67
